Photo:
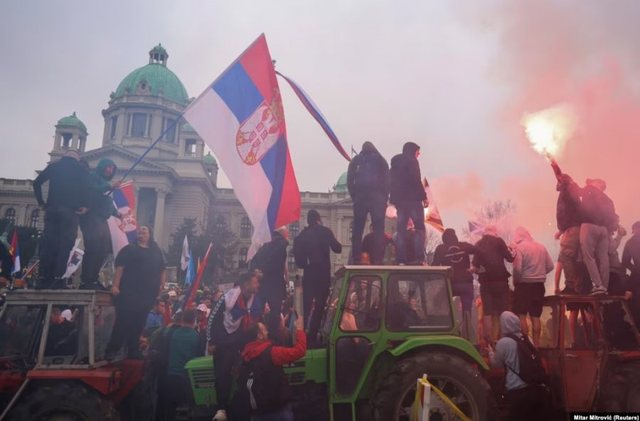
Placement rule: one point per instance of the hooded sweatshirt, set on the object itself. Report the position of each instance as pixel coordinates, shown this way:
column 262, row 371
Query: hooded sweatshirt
column 506, row 354
column 100, row 183
column 532, row 262
column 454, row 253
column 368, row 174
column 405, row 179
column 280, row 355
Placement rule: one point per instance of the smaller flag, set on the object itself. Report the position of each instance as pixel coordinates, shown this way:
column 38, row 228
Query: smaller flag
column 123, row 230
column 15, row 253
column 431, row 212
column 191, row 271
column 74, row 261
column 196, row 284
column 186, row 254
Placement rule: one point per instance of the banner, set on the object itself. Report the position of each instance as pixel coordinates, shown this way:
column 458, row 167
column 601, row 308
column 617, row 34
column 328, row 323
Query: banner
column 123, row 230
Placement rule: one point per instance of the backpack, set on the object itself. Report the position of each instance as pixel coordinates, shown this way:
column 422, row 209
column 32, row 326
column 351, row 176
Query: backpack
column 263, row 384
column 531, row 369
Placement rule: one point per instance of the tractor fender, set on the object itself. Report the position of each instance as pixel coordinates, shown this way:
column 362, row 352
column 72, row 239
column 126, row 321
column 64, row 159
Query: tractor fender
column 462, row 346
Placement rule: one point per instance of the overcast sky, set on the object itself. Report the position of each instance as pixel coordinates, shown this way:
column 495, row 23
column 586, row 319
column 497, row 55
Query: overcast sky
column 452, row 76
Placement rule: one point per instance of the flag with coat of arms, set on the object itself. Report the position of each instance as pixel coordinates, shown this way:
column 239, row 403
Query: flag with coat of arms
column 123, row 230
column 241, row 118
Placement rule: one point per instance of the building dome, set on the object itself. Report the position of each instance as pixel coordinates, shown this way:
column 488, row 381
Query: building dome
column 72, row 121
column 341, row 184
column 154, row 79
column 188, row 129
column 208, row 159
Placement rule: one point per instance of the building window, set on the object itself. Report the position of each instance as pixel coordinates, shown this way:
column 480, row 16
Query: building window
column 169, row 129
column 294, row 230
column 66, row 140
column 350, row 231
column 138, row 126
column 245, row 228
column 10, row 215
column 221, row 224
column 190, row 147
column 112, row 127
column 291, row 262
column 242, row 261
column 35, row 218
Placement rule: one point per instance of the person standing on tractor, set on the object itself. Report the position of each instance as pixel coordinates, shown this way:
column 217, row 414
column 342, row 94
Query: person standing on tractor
column 311, row 251
column 456, row 254
column 233, row 314
column 95, row 231
column 409, row 197
column 261, row 373
column 568, row 219
column 531, row 265
column 368, row 184
column 140, row 277
column 67, row 199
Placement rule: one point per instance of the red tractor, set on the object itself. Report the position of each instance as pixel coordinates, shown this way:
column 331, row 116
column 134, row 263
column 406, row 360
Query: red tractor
column 51, row 367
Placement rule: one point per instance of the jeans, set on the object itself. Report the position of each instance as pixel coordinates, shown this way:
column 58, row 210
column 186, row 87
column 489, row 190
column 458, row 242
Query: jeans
column 594, row 242
column 374, row 205
column 60, row 231
column 415, row 212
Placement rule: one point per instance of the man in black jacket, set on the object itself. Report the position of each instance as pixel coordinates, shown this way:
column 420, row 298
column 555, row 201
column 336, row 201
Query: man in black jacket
column 568, row 219
column 271, row 259
column 66, row 200
column 311, row 250
column 408, row 195
column 368, row 184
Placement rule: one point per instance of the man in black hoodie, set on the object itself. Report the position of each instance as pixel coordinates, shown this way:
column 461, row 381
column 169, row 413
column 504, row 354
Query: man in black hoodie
column 368, row 184
column 455, row 253
column 95, row 230
column 408, row 195
column 66, row 200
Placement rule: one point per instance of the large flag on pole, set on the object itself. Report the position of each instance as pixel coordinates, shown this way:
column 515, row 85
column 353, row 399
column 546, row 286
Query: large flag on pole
column 241, row 118
column 123, row 230
column 15, row 253
column 431, row 212
column 186, row 254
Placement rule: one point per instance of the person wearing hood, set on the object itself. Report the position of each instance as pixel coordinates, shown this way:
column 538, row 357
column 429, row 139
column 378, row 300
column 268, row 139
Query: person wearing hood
column 526, row 402
column 409, row 197
column 67, row 199
column 263, row 358
column 368, row 184
column 95, row 230
column 456, row 254
column 488, row 261
column 271, row 259
column 531, row 265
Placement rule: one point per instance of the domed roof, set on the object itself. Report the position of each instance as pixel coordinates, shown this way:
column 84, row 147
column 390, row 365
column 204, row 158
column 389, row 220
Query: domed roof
column 154, row 79
column 208, row 159
column 341, row 184
column 72, row 121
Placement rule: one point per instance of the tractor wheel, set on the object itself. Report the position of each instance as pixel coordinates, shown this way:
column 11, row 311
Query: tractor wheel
column 63, row 402
column 455, row 377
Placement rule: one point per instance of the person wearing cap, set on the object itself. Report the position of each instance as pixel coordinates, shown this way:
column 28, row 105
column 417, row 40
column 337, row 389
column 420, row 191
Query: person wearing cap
column 271, row 259
column 409, row 197
column 311, row 250
column 67, row 199
column 368, row 184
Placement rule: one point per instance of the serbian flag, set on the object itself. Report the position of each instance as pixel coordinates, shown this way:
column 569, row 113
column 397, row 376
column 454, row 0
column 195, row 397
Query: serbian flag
column 15, row 253
column 241, row 118
column 431, row 212
column 123, row 230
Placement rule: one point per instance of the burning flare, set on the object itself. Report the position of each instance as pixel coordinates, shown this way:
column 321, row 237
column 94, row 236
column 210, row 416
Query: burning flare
column 548, row 130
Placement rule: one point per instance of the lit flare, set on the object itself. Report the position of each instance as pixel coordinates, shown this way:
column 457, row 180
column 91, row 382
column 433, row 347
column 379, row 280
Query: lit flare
column 548, row 130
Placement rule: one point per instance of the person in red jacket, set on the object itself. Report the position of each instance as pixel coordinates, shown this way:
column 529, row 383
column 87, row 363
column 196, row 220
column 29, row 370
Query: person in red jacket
column 269, row 390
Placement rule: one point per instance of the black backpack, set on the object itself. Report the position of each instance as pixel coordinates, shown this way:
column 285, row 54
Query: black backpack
column 531, row 369
column 263, row 383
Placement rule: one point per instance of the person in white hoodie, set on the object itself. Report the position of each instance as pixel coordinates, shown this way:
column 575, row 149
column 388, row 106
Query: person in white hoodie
column 531, row 265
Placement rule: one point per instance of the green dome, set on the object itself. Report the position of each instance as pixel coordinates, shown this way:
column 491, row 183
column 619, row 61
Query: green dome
column 208, row 159
column 155, row 79
column 72, row 121
column 187, row 128
column 341, row 184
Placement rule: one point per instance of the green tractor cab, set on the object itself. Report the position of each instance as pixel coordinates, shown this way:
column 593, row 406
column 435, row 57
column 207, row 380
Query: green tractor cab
column 383, row 328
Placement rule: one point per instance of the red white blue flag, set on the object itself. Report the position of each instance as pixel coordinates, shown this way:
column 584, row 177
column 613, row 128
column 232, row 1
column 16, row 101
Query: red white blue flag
column 15, row 253
column 241, row 118
column 123, row 230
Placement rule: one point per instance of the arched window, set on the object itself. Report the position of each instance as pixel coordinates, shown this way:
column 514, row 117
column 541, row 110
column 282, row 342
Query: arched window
column 291, row 262
column 221, row 223
column 10, row 215
column 242, row 261
column 294, row 229
column 245, row 228
column 35, row 218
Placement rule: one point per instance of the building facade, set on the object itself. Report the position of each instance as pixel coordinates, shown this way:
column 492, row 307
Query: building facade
column 176, row 179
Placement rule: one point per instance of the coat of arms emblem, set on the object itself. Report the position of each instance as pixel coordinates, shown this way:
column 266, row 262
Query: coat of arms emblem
column 260, row 131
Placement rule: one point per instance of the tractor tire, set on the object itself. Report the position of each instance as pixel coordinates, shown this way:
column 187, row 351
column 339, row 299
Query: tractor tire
column 63, row 401
column 457, row 378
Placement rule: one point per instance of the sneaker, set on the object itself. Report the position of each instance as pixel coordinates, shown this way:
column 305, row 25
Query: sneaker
column 598, row 291
column 221, row 415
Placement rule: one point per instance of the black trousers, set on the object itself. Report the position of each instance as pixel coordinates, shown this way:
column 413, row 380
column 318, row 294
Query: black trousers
column 97, row 243
column 60, row 231
column 131, row 315
column 224, row 360
column 318, row 291
column 528, row 403
column 376, row 206
column 273, row 293
column 173, row 390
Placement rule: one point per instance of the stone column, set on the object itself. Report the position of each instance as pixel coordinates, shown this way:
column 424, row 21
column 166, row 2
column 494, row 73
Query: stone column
column 159, row 217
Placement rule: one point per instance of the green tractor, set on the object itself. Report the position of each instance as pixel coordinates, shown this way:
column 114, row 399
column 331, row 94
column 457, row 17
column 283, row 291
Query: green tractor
column 383, row 328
